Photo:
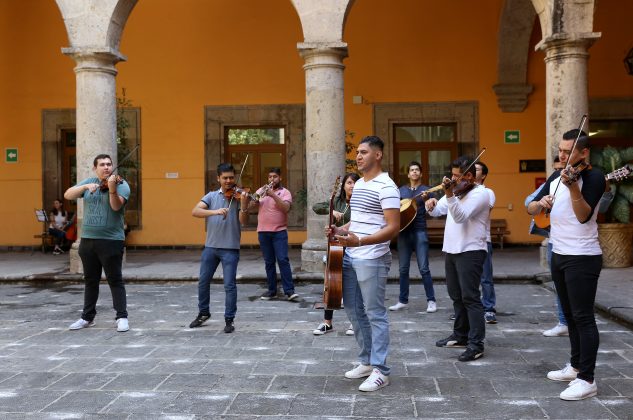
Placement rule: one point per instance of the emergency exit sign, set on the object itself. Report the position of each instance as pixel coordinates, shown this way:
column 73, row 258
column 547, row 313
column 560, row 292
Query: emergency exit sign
column 11, row 155
column 511, row 136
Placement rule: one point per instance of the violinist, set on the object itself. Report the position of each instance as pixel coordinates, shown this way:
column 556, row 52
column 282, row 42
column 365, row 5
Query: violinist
column 272, row 231
column 466, row 206
column 572, row 196
column 102, row 239
column 225, row 211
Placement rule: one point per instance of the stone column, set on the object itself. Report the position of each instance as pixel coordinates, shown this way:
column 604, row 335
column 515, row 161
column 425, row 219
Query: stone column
column 325, row 139
column 96, row 117
column 566, row 91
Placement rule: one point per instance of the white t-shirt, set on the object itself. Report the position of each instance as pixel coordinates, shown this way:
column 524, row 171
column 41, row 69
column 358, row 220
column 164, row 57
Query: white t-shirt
column 491, row 204
column 368, row 202
column 467, row 220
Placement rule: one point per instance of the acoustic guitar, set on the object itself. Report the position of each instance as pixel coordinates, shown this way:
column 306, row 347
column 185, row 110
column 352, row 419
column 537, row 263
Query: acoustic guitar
column 409, row 207
column 333, row 278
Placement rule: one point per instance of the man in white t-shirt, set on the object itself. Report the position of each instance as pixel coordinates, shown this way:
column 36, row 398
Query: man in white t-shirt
column 488, row 297
column 467, row 210
column 375, row 221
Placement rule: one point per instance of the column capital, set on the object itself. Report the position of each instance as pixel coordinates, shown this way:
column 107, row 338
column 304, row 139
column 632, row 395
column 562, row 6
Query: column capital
column 97, row 59
column 317, row 54
column 567, row 45
column 512, row 97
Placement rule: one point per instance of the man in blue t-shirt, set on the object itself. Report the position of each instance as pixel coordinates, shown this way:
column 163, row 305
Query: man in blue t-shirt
column 224, row 214
column 414, row 238
column 102, row 239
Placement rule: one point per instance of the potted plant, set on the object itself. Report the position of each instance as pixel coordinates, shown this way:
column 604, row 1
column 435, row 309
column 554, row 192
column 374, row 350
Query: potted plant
column 615, row 231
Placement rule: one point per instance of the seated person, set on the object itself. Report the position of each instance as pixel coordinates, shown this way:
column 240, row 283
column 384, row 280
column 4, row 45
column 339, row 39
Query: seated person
column 58, row 223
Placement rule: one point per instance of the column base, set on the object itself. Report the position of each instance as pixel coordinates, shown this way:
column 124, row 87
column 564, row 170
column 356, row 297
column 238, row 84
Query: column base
column 75, row 261
column 543, row 254
column 312, row 253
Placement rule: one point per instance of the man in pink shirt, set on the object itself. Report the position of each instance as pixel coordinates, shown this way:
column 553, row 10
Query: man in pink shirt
column 272, row 231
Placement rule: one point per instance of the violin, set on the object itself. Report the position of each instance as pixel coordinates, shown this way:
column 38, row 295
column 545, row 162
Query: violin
column 103, row 185
column 237, row 192
column 460, row 189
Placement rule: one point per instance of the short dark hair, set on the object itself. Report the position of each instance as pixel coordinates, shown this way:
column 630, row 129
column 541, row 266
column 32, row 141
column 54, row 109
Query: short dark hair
column 99, row 157
column 225, row 167
column 462, row 163
column 414, row 163
column 583, row 140
column 374, row 142
column 484, row 167
column 275, row 170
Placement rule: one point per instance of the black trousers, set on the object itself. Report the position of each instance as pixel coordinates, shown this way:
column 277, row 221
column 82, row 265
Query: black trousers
column 463, row 277
column 576, row 280
column 107, row 255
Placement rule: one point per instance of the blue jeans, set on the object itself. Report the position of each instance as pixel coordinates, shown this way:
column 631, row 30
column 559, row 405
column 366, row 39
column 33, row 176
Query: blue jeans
column 364, row 283
column 274, row 247
column 561, row 315
column 211, row 258
column 409, row 241
column 488, row 298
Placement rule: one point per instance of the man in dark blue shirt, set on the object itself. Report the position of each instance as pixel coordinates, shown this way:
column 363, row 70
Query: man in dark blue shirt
column 414, row 238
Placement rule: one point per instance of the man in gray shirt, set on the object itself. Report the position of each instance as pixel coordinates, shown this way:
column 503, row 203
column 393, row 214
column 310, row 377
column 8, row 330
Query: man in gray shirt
column 224, row 215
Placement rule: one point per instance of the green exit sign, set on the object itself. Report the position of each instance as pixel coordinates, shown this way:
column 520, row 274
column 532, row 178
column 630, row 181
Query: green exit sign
column 11, row 155
column 511, row 136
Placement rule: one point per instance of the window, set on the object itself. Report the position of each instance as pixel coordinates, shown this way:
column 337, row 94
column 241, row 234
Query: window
column 265, row 148
column 433, row 145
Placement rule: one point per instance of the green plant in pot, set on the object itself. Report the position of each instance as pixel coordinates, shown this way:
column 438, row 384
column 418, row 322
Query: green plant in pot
column 614, row 229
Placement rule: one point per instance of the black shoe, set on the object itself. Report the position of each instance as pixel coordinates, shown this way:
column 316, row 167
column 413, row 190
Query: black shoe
column 452, row 317
column 469, row 355
column 200, row 319
column 293, row 297
column 451, row 341
column 229, row 327
column 268, row 296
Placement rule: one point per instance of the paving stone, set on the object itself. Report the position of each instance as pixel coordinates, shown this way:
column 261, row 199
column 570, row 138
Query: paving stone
column 385, row 406
column 265, row 405
column 250, row 383
column 180, row 366
column 297, row 384
column 82, row 402
column 31, row 380
column 308, row 353
column 275, row 367
column 146, row 403
column 215, row 352
column 189, row 382
column 200, row 403
column 83, row 381
column 431, row 369
column 83, row 364
column 528, row 388
column 26, row 401
column 230, row 367
column 624, row 387
column 622, row 408
column 83, row 351
column 129, row 351
column 466, row 386
column 322, row 405
column 19, row 364
column 591, row 408
column 456, row 407
column 131, row 365
column 135, row 382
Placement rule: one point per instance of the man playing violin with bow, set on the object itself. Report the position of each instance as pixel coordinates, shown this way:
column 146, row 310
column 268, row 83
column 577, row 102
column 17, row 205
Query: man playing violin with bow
column 466, row 206
column 102, row 239
column 221, row 209
column 571, row 196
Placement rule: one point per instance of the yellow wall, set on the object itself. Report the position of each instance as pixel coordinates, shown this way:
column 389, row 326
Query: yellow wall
column 228, row 52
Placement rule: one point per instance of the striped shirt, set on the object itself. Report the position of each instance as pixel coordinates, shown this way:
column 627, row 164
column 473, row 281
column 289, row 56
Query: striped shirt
column 369, row 200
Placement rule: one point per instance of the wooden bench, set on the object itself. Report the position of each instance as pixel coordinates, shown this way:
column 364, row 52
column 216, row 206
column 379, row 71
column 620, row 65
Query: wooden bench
column 435, row 230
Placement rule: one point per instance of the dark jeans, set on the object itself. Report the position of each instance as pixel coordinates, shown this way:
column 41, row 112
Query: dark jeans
column 488, row 297
column 211, row 258
column 107, row 255
column 463, row 275
column 410, row 241
column 576, row 280
column 274, row 247
column 59, row 235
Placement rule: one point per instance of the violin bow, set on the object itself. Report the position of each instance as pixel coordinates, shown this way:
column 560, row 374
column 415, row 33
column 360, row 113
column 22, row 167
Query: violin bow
column 239, row 177
column 126, row 157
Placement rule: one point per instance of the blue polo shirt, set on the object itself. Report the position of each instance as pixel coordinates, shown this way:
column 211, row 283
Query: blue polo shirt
column 222, row 233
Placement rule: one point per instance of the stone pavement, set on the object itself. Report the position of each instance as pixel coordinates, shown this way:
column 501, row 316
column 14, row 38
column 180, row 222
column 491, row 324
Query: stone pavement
column 512, row 264
column 273, row 366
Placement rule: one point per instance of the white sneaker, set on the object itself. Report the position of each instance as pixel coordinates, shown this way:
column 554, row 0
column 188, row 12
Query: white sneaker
column 359, row 371
column 375, row 381
column 567, row 373
column 398, row 306
column 81, row 323
column 122, row 325
column 431, row 307
column 323, row 328
column 350, row 330
column 559, row 330
column 579, row 389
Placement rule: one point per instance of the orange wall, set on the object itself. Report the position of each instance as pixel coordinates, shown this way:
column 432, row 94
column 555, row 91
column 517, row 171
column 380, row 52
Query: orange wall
column 229, row 52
